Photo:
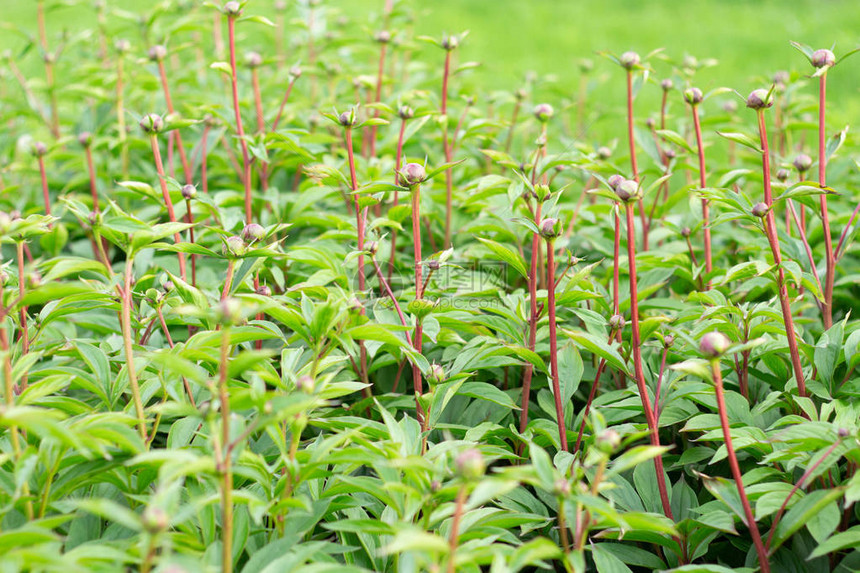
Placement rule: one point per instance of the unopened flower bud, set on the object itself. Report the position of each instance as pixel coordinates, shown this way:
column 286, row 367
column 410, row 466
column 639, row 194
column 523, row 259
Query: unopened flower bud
column 585, row 65
column 189, row 192
column 561, row 487
column 253, row 60
column 686, row 232
column 122, row 46
column 383, row 37
column 550, row 228
column 372, row 247
column 152, row 123
column 434, row 264
column 40, row 149
column 822, row 58
column 543, row 112
column 154, row 520
column 802, row 163
column 450, row 43
column 731, row 106
column 693, row 96
column 714, row 344
column 650, row 123
column 759, row 210
column 759, row 99
column 264, row 290
column 843, row 432
column 34, row 279
column 628, row 190
column 347, row 118
column 85, row 138
column 253, row 232
column 604, row 152
column 233, row 9
column 616, row 322
column 229, row 311
column 470, row 464
column 157, row 53
column 521, row 94
column 295, row 73
column 615, row 180
column 234, row 246
column 305, row 384
column 629, row 60
column 414, row 174
column 781, row 77
column 405, row 112
column 355, row 306
column 436, row 374
column 782, row 174
column 667, row 85
column 668, row 340
column 608, row 441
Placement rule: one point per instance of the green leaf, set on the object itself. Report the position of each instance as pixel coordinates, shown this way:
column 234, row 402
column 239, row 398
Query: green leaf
column 507, row 255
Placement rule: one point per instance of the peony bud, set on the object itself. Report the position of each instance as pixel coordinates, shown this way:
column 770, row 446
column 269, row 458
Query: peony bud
column 616, row 322
column 604, row 152
column 233, row 9
column 39, row 149
column 157, row 53
column 802, row 163
column 470, row 464
column 823, row 58
column 667, row 85
column 414, row 174
column 122, row 46
column 731, row 106
column 85, row 139
column 714, row 344
column 550, row 228
column 189, row 192
column 234, row 246
column 154, row 520
column 450, row 43
column 760, row 210
column 383, row 37
column 264, row 290
column 759, row 99
column 693, row 96
column 253, row 232
column 561, row 487
column 305, row 384
column 615, row 180
column 295, row 73
column 405, row 112
column 253, row 60
column 628, row 191
column 152, row 123
column 436, row 374
column 543, row 112
column 372, row 247
column 608, row 441
column 782, row 174
column 629, row 60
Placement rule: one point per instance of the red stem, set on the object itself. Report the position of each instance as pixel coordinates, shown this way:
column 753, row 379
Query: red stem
column 449, row 181
column 533, row 318
column 770, row 228
column 240, row 130
column 45, row 195
column 830, row 260
column 177, row 137
column 637, row 361
column 553, row 344
column 171, row 214
column 283, row 105
column 703, row 184
column 397, row 164
column 633, row 165
column 736, row 470
column 796, row 487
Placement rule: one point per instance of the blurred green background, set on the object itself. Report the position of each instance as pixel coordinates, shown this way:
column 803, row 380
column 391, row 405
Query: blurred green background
column 749, row 38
